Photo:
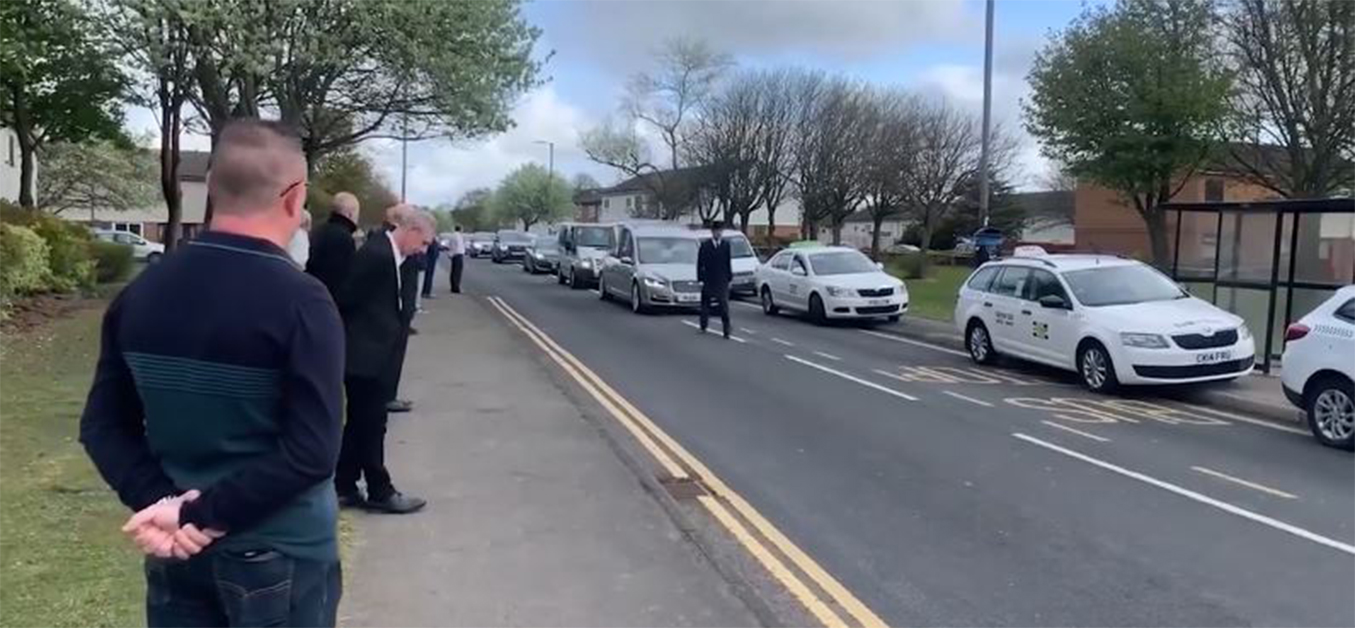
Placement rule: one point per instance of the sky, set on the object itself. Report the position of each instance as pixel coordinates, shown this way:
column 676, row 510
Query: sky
column 931, row 47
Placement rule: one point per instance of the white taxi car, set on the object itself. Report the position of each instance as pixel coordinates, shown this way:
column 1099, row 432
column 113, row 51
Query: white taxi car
column 829, row 282
column 1319, row 368
column 1112, row 320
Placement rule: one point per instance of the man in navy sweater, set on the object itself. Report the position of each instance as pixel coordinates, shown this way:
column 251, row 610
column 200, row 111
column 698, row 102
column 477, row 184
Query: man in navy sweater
column 215, row 411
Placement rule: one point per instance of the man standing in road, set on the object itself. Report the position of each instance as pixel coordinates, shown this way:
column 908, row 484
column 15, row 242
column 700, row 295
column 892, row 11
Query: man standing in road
column 714, row 270
column 332, row 246
column 216, row 406
column 377, row 329
column 457, row 250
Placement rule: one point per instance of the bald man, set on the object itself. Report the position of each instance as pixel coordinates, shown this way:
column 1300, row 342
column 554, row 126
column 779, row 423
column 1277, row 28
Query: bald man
column 215, row 411
column 373, row 303
column 332, row 244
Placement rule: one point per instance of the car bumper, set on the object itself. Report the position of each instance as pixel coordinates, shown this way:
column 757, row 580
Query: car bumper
column 858, row 307
column 668, row 299
column 1295, row 397
column 744, row 285
column 1177, row 366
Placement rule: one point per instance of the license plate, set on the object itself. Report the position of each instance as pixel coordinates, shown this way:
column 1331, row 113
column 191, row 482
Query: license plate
column 688, row 298
column 1213, row 357
column 878, row 302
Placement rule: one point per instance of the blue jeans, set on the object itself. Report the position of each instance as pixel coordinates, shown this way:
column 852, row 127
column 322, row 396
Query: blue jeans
column 232, row 588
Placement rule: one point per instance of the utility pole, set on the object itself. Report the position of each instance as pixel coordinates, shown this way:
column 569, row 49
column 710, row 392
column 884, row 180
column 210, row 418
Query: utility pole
column 987, row 113
column 404, row 155
column 551, row 155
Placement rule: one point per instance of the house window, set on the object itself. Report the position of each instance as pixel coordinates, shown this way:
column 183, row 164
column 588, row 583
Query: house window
column 628, row 202
column 1213, row 190
column 130, row 227
column 606, row 203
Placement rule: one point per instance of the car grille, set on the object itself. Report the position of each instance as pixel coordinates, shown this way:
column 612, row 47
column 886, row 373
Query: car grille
column 1225, row 338
column 1194, row 370
column 876, row 292
column 878, row 309
column 686, row 286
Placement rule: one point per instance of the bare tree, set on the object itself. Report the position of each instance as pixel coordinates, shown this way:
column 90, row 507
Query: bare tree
column 617, row 146
column 888, row 155
column 1295, row 73
column 829, row 169
column 774, row 157
column 668, row 97
column 945, row 158
column 724, row 145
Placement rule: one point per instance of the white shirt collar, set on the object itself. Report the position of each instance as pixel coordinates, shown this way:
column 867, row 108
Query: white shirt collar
column 395, row 248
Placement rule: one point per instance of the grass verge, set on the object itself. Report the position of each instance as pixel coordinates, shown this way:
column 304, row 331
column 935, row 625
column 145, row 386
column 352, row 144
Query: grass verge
column 934, row 296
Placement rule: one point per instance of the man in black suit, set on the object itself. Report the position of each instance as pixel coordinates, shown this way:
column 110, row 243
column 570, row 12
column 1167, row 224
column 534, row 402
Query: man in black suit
column 409, row 300
column 332, row 245
column 714, row 270
column 376, row 324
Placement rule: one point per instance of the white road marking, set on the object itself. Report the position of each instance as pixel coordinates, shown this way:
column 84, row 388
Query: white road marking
column 712, row 331
column 1099, row 439
column 967, row 398
column 595, row 291
column 919, row 343
column 852, row 378
column 1236, row 417
column 1189, row 494
column 827, row 356
column 783, row 342
column 746, row 304
column 747, row 331
column 1252, row 485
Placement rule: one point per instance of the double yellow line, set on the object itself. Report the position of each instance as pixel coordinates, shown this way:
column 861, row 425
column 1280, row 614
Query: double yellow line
column 820, row 593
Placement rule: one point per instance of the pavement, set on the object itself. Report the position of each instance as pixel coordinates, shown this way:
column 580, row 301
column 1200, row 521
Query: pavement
column 940, row 493
column 1259, row 393
column 534, row 519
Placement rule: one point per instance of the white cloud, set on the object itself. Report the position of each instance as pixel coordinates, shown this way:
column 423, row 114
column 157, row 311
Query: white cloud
column 142, row 121
column 441, row 173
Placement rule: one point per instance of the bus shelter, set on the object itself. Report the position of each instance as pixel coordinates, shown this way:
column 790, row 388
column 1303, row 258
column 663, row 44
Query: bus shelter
column 1270, row 262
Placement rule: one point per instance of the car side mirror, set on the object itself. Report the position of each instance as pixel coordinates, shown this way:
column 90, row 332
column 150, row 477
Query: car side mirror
column 626, row 259
column 1054, row 302
column 880, row 265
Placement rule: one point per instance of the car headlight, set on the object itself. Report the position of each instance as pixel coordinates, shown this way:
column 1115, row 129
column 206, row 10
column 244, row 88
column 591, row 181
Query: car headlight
column 586, row 263
column 657, row 284
column 1143, row 341
column 1243, row 333
column 834, row 291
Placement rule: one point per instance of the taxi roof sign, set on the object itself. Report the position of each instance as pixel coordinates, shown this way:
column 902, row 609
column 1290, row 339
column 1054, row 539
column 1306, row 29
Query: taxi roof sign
column 1029, row 250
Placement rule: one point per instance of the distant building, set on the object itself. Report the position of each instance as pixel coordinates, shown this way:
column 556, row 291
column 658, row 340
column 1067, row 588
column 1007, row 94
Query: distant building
column 152, row 222
column 635, row 197
column 11, row 165
column 1048, row 217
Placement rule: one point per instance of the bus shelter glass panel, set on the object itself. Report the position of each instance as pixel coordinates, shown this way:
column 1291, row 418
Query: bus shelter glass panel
column 1325, row 251
column 1199, row 244
column 1246, row 246
column 1253, row 305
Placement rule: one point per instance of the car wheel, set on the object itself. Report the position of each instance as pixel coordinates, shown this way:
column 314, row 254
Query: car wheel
column 637, row 304
column 574, row 282
column 602, row 290
column 817, row 313
column 980, row 344
column 1096, row 368
column 1330, row 402
column 560, row 275
column 153, row 258
column 769, row 307
column 895, row 318
column 527, row 267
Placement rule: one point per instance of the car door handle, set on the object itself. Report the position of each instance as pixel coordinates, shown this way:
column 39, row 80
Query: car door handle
column 987, row 304
column 1026, row 312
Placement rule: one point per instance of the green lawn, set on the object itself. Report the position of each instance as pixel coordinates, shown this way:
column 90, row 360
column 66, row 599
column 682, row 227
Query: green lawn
column 63, row 561
column 934, row 297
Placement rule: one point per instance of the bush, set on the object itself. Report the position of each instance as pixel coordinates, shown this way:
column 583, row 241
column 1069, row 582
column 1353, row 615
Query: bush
column 112, row 261
column 69, row 264
column 23, row 262
column 909, row 265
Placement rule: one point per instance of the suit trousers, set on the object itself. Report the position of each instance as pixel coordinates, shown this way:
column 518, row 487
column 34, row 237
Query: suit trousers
column 458, row 265
column 718, row 297
column 363, row 452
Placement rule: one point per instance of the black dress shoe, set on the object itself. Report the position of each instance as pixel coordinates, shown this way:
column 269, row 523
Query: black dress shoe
column 396, row 504
column 352, row 500
column 399, row 405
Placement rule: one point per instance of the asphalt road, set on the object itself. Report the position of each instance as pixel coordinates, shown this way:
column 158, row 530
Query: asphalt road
column 942, row 493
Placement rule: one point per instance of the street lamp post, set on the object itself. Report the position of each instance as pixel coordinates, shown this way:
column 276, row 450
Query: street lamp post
column 551, row 154
column 987, row 113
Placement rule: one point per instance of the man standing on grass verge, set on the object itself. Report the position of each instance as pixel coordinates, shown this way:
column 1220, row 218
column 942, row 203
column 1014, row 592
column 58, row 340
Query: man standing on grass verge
column 374, row 310
column 215, row 411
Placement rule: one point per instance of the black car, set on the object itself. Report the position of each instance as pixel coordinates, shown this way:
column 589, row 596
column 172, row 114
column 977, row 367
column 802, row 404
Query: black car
column 509, row 245
column 542, row 256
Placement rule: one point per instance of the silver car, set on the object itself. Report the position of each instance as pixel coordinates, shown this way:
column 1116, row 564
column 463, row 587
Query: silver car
column 653, row 267
column 583, row 246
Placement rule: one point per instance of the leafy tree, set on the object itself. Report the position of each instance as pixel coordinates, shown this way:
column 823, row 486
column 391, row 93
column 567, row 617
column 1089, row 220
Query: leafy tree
column 474, row 211
column 58, row 82
column 350, row 171
column 1129, row 97
column 531, row 195
column 95, row 175
column 443, row 215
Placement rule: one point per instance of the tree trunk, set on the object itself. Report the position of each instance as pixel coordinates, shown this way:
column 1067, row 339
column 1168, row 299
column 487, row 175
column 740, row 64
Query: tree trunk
column 1156, row 221
column 837, row 233
column 771, row 222
column 170, row 108
column 925, row 238
column 877, row 222
column 27, row 146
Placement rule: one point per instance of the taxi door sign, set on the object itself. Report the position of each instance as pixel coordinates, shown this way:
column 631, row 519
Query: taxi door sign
column 1040, row 330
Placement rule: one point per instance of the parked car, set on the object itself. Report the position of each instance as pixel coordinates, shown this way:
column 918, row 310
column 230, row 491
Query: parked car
column 1318, row 372
column 142, row 249
column 509, row 245
column 583, row 247
column 542, row 256
column 479, row 244
column 1112, row 320
column 744, row 262
column 830, row 282
column 653, row 267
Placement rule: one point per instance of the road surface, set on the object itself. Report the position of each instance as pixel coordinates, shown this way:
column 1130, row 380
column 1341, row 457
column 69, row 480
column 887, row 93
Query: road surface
column 941, row 493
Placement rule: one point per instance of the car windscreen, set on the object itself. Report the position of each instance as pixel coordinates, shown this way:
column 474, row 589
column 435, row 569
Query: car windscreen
column 598, row 237
column 546, row 245
column 841, row 263
column 513, row 237
column 667, row 250
column 1121, row 285
column 739, row 247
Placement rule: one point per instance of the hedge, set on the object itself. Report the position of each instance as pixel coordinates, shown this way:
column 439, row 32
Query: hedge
column 112, row 261
column 43, row 253
column 23, row 262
